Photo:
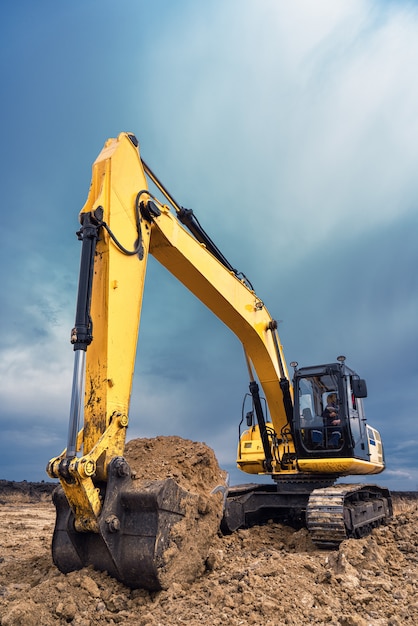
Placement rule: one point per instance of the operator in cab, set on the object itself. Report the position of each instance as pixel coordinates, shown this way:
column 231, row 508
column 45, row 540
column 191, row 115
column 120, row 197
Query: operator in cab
column 332, row 420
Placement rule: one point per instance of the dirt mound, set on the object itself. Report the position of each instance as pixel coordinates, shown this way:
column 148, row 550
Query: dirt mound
column 193, row 466
column 271, row 575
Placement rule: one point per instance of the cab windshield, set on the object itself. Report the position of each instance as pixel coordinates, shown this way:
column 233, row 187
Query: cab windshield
column 320, row 412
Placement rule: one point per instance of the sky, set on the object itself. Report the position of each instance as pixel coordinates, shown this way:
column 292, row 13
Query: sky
column 290, row 129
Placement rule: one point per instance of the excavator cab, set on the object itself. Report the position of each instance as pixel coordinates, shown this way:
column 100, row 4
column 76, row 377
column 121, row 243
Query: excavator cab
column 329, row 417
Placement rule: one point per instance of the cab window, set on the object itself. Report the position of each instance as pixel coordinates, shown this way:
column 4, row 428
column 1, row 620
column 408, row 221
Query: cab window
column 317, row 427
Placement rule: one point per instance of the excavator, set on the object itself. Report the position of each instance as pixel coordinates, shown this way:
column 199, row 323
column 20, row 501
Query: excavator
column 302, row 432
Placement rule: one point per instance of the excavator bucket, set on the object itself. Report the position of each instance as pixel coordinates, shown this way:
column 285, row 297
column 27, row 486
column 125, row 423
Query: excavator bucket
column 143, row 528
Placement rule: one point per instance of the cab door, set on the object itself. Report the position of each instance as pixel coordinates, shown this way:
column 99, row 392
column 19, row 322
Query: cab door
column 356, row 421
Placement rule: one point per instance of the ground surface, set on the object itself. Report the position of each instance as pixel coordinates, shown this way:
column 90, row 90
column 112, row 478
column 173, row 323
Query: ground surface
column 270, row 575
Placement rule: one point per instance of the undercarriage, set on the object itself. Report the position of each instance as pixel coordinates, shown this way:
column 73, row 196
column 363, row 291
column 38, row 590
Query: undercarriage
column 330, row 512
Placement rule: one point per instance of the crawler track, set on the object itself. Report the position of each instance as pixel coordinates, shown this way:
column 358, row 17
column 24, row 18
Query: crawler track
column 342, row 511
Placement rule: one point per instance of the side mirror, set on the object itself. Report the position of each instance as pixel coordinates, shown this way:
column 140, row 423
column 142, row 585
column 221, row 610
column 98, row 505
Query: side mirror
column 359, row 387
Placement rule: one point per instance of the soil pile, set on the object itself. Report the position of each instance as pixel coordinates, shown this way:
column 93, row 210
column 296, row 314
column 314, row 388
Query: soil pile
column 194, row 467
column 270, row 575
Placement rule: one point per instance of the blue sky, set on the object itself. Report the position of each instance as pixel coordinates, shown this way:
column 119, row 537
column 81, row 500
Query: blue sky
column 290, row 128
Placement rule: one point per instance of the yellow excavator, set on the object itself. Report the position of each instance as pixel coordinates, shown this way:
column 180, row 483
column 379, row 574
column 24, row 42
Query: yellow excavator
column 303, row 433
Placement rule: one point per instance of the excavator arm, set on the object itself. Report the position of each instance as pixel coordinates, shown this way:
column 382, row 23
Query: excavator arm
column 125, row 223
column 121, row 224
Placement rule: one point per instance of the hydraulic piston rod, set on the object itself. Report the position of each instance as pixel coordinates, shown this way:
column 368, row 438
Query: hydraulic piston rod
column 81, row 335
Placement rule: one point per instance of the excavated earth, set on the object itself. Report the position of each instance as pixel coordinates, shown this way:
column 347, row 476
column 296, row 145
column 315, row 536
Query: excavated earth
column 268, row 575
